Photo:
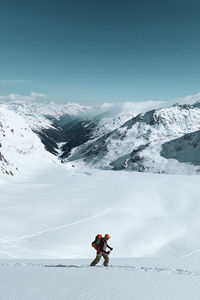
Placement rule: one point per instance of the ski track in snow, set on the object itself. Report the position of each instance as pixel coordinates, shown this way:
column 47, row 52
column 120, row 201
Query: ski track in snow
column 18, row 242
column 191, row 253
column 133, row 268
column 188, row 228
column 173, row 271
column 56, row 228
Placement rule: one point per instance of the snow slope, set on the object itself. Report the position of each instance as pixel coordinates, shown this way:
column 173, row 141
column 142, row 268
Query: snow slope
column 57, row 213
column 21, row 150
column 131, row 279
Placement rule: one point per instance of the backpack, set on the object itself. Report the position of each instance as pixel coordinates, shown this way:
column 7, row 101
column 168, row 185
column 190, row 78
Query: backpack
column 98, row 238
column 97, row 241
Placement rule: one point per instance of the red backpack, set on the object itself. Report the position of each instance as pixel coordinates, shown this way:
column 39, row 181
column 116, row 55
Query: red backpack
column 96, row 242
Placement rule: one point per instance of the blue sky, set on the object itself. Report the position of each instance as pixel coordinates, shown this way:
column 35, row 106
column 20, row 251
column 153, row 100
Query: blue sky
column 97, row 51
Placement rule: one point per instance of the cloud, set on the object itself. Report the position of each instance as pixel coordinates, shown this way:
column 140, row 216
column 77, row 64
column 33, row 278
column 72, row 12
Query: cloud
column 135, row 107
column 191, row 99
column 11, row 81
column 142, row 106
column 22, row 98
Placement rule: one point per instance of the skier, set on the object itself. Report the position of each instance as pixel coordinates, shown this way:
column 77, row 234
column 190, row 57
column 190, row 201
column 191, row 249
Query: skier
column 100, row 244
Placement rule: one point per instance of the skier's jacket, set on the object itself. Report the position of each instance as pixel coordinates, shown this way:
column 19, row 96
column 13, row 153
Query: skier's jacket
column 100, row 245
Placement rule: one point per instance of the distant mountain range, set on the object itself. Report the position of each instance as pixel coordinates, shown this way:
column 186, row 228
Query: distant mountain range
column 147, row 138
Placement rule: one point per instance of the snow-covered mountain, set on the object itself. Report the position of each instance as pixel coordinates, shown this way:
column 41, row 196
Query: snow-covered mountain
column 116, row 136
column 39, row 115
column 21, row 150
column 136, row 145
column 69, row 131
column 21, row 147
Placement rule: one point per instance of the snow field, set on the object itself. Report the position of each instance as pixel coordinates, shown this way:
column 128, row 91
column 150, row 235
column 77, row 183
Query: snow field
column 32, row 280
column 58, row 213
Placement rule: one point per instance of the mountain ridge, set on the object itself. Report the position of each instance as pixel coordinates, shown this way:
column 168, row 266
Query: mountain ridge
column 114, row 138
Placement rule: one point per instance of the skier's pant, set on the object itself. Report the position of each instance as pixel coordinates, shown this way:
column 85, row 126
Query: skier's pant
column 98, row 257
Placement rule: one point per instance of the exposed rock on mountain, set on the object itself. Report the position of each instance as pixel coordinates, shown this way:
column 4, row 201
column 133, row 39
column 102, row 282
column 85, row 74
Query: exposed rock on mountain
column 184, row 149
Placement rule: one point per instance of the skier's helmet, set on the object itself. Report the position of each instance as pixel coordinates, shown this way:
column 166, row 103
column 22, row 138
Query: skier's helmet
column 107, row 236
